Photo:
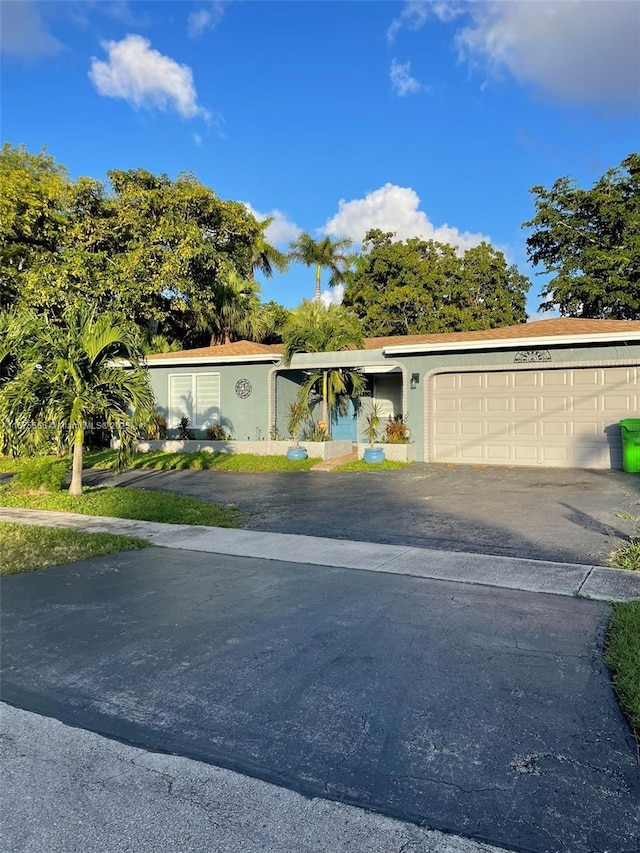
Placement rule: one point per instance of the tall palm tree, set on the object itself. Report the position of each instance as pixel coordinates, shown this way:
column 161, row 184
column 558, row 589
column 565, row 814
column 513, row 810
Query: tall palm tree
column 72, row 371
column 314, row 328
column 235, row 310
column 323, row 254
column 264, row 256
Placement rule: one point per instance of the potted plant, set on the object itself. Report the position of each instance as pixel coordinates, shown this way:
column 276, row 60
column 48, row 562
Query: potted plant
column 373, row 455
column 298, row 413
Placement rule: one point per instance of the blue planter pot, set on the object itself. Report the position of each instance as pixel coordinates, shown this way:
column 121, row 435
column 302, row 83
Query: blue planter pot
column 374, row 455
column 297, row 453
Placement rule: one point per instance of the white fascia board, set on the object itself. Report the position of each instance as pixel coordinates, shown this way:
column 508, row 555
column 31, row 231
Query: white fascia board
column 510, row 343
column 206, row 359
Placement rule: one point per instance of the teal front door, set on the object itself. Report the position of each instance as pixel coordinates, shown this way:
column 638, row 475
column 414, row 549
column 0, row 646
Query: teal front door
column 345, row 428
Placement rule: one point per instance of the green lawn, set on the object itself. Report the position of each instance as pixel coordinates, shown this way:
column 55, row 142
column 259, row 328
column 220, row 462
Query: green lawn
column 626, row 557
column 361, row 465
column 202, row 461
column 129, row 503
column 623, row 656
column 24, row 548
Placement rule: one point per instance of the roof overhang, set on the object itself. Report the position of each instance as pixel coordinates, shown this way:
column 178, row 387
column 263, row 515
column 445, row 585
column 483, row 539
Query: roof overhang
column 207, row 359
column 513, row 343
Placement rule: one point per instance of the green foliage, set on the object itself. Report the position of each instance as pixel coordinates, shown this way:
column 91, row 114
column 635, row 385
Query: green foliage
column 184, row 433
column 205, row 461
column 626, row 557
column 67, row 378
column 311, row 431
column 421, row 287
column 163, row 252
column 396, row 431
column 216, row 433
column 44, row 474
column 361, row 465
column 25, row 549
column 322, row 254
column 589, row 242
column 373, row 420
column 316, row 328
column 156, row 428
column 623, row 656
column 298, row 414
column 129, row 503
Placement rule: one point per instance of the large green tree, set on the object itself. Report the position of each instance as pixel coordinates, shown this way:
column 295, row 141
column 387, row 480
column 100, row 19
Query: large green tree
column 588, row 240
column 415, row 286
column 328, row 254
column 313, row 327
column 68, row 373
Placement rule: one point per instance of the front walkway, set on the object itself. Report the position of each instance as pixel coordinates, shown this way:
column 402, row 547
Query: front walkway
column 508, row 572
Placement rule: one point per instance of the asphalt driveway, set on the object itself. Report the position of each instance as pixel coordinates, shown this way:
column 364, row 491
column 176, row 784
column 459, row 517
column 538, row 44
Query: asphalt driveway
column 482, row 711
column 566, row 515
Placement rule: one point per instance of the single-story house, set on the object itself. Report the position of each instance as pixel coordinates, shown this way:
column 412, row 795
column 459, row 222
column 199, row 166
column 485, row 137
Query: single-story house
column 548, row 393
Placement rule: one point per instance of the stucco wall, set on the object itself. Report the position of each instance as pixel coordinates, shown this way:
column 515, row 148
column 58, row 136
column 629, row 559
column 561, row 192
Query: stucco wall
column 244, row 419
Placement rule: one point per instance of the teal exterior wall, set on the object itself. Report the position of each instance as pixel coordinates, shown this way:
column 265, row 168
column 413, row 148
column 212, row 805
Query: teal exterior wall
column 244, row 419
column 286, row 389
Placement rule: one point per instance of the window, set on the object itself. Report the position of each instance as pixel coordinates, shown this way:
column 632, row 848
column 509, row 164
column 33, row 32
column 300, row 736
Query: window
column 195, row 396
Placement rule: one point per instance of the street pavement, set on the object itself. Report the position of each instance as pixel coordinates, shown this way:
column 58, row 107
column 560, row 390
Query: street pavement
column 479, row 711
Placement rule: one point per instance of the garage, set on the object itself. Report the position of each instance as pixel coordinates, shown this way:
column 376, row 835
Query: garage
column 555, row 416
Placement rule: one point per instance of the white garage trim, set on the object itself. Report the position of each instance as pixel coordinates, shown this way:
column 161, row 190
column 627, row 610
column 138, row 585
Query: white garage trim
column 550, row 419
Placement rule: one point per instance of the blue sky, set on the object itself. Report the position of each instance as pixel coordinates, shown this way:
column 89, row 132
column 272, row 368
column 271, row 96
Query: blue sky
column 423, row 118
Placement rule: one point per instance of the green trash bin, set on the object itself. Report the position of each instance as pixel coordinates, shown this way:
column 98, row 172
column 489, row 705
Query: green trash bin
column 630, row 431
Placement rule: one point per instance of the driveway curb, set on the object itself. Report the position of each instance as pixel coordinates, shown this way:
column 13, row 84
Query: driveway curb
column 570, row 579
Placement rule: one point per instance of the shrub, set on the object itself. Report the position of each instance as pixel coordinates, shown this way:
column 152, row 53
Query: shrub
column 184, row 433
column 41, row 475
column 395, row 431
column 215, row 432
column 311, row 431
column 156, row 429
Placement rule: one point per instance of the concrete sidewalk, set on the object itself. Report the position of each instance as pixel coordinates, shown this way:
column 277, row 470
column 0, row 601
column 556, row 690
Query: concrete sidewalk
column 569, row 579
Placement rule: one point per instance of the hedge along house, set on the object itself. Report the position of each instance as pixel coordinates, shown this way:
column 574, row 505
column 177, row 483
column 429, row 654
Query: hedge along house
column 548, row 393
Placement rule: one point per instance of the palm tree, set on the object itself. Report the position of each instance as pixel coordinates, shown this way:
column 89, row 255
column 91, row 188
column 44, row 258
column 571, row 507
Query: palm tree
column 235, row 311
column 264, row 256
column 314, row 328
column 69, row 372
column 323, row 254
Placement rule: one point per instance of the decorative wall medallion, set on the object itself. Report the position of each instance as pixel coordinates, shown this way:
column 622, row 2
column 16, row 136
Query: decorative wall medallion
column 527, row 355
column 243, row 388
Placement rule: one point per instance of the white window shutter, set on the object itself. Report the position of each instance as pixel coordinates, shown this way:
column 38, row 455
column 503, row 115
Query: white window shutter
column 207, row 399
column 181, row 403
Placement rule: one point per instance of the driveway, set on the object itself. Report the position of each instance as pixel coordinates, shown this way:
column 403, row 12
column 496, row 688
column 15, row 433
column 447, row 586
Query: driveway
column 566, row 515
column 481, row 711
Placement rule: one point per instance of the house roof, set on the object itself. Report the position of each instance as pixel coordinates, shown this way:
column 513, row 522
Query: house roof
column 555, row 327
column 564, row 330
column 236, row 351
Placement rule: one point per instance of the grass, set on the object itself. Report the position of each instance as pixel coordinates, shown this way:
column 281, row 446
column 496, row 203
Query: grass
column 202, row 461
column 623, row 657
column 627, row 557
column 361, row 465
column 128, row 503
column 24, row 548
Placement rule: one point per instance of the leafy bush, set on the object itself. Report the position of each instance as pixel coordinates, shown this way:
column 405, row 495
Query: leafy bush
column 184, row 433
column 311, row 431
column 216, row 433
column 41, row 475
column 156, row 429
column 396, row 431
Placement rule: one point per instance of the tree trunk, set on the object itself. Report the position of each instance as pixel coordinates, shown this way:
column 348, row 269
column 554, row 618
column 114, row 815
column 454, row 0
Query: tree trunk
column 318, row 272
column 75, row 488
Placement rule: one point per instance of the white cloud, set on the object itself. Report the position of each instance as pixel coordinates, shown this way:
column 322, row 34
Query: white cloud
column 577, row 50
column 334, row 296
column 281, row 231
column 204, row 19
column 24, row 33
column 395, row 209
column 402, row 82
column 416, row 13
column 197, row 139
column 146, row 78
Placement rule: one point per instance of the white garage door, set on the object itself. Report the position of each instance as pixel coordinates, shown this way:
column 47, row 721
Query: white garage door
column 555, row 417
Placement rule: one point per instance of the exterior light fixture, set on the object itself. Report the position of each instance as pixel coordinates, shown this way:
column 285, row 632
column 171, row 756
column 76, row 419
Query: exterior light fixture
column 415, row 379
